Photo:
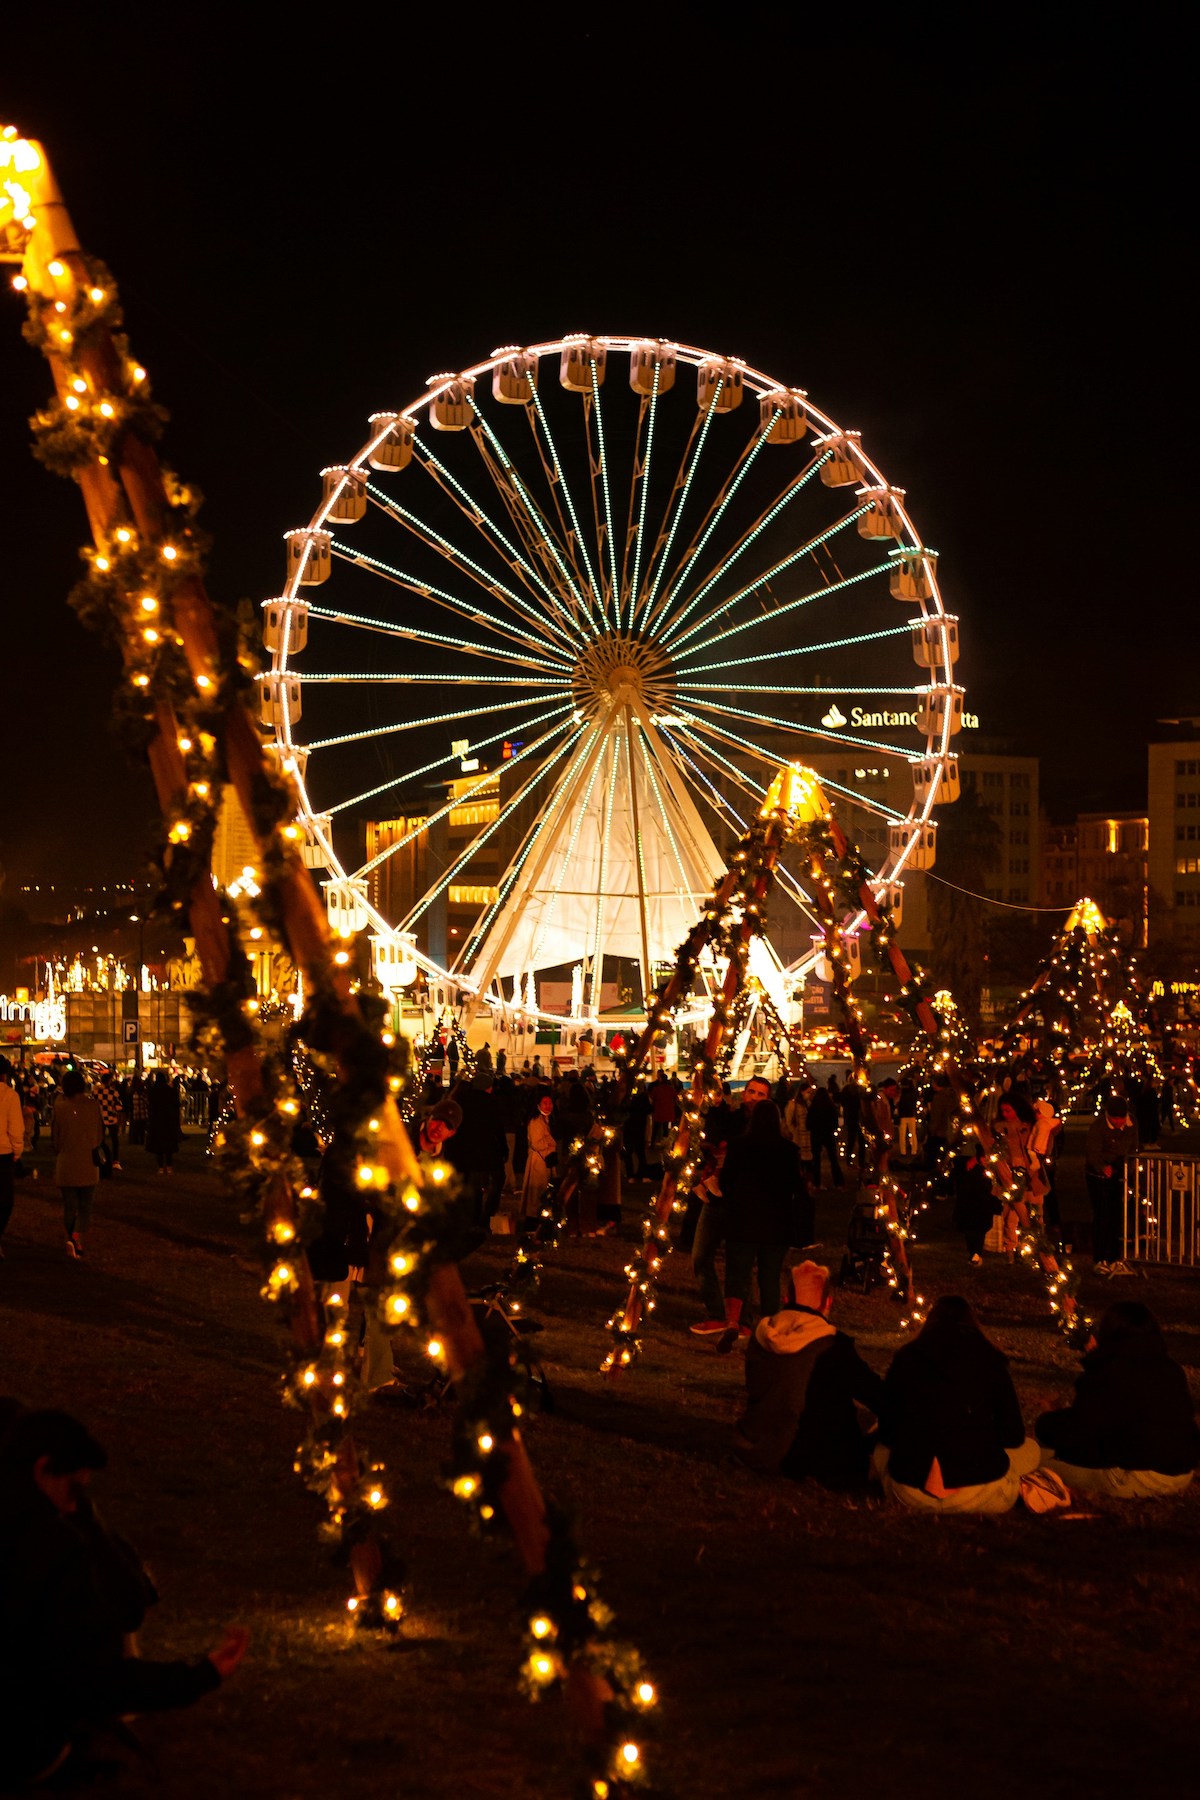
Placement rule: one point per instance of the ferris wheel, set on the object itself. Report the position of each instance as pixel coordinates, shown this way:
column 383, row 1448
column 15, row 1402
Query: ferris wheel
column 550, row 632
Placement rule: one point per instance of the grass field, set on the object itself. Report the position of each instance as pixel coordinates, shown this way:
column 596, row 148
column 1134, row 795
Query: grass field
column 804, row 1644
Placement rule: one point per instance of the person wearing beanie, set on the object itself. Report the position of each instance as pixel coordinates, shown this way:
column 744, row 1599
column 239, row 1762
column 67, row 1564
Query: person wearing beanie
column 804, row 1383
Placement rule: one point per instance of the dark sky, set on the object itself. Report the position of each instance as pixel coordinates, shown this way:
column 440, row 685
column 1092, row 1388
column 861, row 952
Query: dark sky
column 969, row 242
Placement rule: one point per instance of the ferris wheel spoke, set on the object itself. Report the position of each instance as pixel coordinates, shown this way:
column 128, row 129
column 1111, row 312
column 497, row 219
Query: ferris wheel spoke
column 573, row 538
column 639, row 492
column 527, row 516
column 778, row 612
column 772, row 656
column 690, row 461
column 474, row 571
column 378, row 731
column 308, row 677
column 459, row 800
column 714, row 515
column 750, row 536
column 775, row 687
column 724, row 809
column 760, row 581
column 481, row 837
column 599, row 469
column 816, row 731
column 414, row 585
column 470, row 508
column 862, row 801
column 358, row 622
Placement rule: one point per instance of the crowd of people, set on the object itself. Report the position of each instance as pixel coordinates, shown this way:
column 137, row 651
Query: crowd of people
column 90, row 1123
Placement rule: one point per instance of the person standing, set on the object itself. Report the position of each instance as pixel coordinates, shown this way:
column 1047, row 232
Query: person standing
column 906, row 1120
column 974, row 1207
column 1111, row 1140
column 112, row 1113
column 795, row 1122
column 767, row 1207
column 479, row 1151
column 541, row 1160
column 163, row 1128
column 851, row 1104
column 822, row 1127
column 943, row 1109
column 77, row 1133
column 1044, row 1139
column 12, row 1142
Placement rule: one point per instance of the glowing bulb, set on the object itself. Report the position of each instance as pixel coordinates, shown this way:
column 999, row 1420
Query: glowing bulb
column 433, row 1348
column 108, row 411
column 56, row 269
column 398, row 1305
column 645, row 1692
column 169, row 553
column 71, row 403
column 97, row 296
column 630, row 1754
column 309, row 1377
column 486, row 1441
column 20, row 283
column 541, row 1626
column 150, row 605
column 79, row 385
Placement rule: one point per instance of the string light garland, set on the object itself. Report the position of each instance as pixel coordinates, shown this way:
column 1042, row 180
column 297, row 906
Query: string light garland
column 185, row 670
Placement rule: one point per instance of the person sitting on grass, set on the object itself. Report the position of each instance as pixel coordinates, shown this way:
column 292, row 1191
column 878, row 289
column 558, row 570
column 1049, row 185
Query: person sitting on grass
column 951, row 1438
column 804, row 1383
column 74, row 1594
column 1130, row 1432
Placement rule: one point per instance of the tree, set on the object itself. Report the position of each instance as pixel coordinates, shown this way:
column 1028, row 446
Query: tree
column 968, row 852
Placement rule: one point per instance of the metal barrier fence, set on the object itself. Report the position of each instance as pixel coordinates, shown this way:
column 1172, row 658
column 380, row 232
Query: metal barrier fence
column 1162, row 1208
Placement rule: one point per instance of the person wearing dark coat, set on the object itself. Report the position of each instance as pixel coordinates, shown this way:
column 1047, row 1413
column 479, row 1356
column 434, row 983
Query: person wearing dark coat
column 74, row 1593
column 1130, row 1431
column 803, row 1380
column 951, row 1438
column 822, row 1126
column 1111, row 1140
column 479, row 1148
column 163, row 1129
column 768, row 1207
column 974, row 1206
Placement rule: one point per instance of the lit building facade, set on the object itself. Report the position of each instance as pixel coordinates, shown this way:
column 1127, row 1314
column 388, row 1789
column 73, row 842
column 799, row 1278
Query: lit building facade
column 1173, row 806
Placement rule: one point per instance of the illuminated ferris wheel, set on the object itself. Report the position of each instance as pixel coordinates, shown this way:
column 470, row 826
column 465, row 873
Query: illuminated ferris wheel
column 586, row 596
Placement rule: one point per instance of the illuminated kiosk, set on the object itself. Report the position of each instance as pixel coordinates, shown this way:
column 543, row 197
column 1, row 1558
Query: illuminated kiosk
column 623, row 568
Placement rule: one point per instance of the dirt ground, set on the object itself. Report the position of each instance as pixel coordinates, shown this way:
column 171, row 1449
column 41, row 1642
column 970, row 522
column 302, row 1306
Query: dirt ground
column 805, row 1645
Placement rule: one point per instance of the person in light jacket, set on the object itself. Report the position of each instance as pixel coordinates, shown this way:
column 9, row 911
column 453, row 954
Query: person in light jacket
column 542, row 1160
column 77, row 1132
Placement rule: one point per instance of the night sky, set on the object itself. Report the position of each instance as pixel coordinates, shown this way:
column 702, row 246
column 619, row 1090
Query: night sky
column 970, row 247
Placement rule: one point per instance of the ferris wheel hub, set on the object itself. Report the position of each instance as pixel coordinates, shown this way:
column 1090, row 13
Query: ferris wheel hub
column 622, row 666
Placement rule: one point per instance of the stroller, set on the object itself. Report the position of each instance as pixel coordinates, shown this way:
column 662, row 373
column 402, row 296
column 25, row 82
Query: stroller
column 866, row 1246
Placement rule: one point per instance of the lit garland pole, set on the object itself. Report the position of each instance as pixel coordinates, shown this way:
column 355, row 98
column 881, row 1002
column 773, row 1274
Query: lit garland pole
column 793, row 799
column 183, row 706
